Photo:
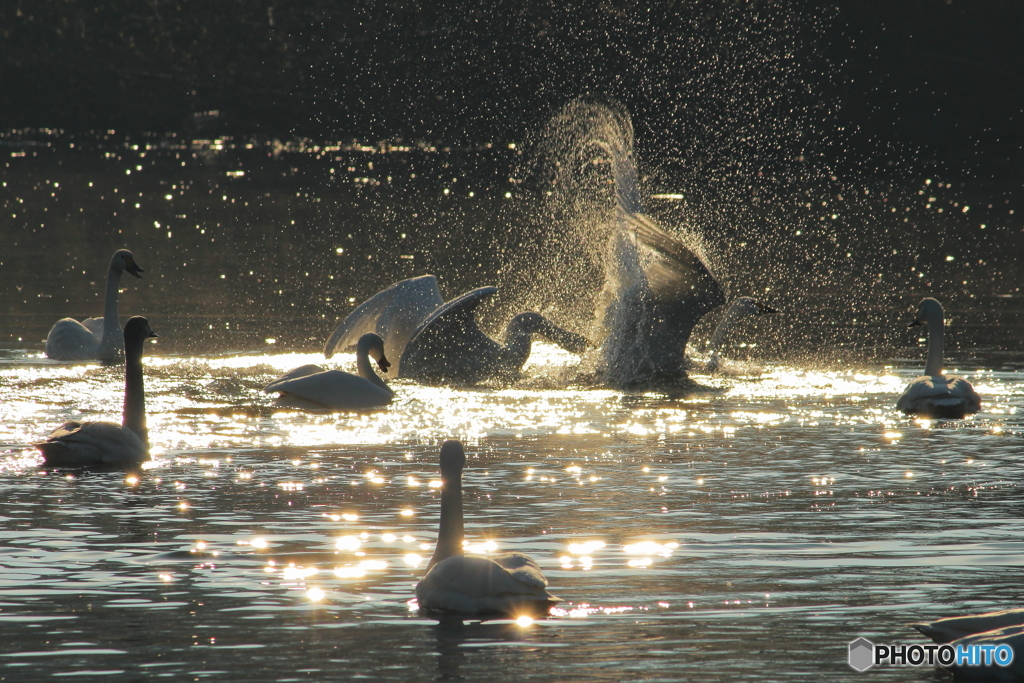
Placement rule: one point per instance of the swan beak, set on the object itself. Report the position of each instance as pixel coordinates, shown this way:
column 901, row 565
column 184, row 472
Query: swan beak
column 153, row 335
column 762, row 309
column 132, row 267
column 383, row 363
column 916, row 323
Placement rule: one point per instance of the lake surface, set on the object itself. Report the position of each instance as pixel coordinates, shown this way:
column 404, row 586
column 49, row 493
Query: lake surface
column 746, row 533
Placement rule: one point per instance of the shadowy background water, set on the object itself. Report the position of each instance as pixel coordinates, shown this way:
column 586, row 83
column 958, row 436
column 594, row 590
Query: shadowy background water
column 272, row 167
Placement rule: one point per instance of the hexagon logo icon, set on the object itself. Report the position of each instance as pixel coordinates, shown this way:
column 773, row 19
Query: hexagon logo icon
column 862, row 654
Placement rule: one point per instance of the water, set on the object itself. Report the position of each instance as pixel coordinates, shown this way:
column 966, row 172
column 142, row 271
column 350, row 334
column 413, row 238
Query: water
column 748, row 533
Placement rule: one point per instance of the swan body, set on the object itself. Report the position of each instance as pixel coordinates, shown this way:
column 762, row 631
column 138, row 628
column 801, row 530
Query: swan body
column 508, row 584
column 94, row 338
column 449, row 348
column 656, row 290
column 83, row 444
column 310, row 387
column 934, row 394
column 393, row 314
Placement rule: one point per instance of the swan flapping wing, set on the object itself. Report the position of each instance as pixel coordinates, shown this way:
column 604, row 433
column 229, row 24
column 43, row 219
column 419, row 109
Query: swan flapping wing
column 393, row 313
column 448, row 336
column 673, row 271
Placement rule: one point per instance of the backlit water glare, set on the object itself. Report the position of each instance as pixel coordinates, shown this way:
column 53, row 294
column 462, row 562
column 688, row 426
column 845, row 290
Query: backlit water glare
column 749, row 532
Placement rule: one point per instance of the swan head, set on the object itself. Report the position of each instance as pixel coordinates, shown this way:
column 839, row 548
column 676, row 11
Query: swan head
column 928, row 311
column 453, row 457
column 124, row 261
column 373, row 346
column 137, row 330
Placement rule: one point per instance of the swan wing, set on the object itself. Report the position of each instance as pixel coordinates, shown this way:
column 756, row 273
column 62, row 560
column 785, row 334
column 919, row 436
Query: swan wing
column 449, row 343
column 334, row 389
column 522, row 568
column 479, row 585
column 673, row 271
column 69, row 339
column 952, row 628
column 393, row 313
column 77, row 444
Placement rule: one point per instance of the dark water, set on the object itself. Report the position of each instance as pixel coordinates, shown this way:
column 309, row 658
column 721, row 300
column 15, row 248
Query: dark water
column 748, row 534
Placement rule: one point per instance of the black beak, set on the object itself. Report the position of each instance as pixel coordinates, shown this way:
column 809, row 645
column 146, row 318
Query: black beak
column 916, row 323
column 762, row 308
column 134, row 269
column 153, row 334
column 383, row 363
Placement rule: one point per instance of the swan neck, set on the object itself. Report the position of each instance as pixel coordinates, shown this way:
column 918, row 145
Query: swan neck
column 365, row 368
column 518, row 340
column 721, row 332
column 450, row 533
column 933, row 366
column 111, row 325
column 134, row 415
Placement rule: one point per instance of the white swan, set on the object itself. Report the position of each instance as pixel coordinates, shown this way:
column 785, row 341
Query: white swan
column 80, row 444
column 94, row 338
column 449, row 348
column 741, row 307
column 393, row 313
column 510, row 583
column 933, row 394
column 310, row 387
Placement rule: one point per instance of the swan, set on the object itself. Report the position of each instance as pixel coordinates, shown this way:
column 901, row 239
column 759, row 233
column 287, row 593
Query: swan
column 449, row 347
column 94, row 338
column 80, row 444
column 656, row 290
column 740, row 308
column 310, row 387
column 1005, row 627
column 393, row 313
column 953, row 628
column 509, row 583
column 933, row 394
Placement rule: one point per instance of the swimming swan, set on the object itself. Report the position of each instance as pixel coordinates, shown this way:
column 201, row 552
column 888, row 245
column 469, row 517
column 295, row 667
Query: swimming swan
column 656, row 290
column 932, row 394
column 394, row 314
column 80, row 444
column 449, row 347
column 1005, row 627
column 94, row 338
column 310, row 387
column 509, row 583
column 741, row 307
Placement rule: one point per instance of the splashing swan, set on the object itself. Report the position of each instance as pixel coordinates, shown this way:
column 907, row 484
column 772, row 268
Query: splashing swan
column 94, row 338
column 449, row 347
column 437, row 342
column 509, row 583
column 80, row 444
column 933, row 394
column 310, row 387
